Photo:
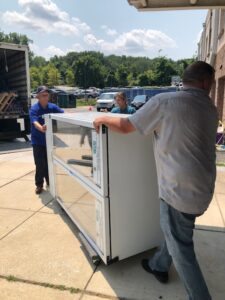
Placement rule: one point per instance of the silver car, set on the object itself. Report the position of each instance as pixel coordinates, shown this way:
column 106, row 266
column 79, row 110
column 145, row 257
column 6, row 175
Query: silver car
column 106, row 101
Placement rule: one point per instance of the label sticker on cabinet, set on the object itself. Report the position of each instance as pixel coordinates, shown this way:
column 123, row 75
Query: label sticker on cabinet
column 96, row 157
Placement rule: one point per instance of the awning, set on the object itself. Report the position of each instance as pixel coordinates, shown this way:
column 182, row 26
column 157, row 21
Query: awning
column 145, row 5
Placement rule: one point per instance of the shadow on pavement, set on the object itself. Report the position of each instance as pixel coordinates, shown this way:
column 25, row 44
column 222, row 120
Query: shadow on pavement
column 14, row 145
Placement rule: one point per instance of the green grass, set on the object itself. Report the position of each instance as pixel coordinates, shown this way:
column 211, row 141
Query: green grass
column 60, row 287
column 84, row 102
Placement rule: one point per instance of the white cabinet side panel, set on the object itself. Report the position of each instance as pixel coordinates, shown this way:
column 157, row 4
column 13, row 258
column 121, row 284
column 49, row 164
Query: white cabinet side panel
column 49, row 143
column 134, row 202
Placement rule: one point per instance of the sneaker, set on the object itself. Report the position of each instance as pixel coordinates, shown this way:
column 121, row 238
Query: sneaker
column 39, row 190
column 162, row 277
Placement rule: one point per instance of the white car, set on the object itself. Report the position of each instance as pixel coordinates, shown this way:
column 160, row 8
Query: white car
column 106, row 101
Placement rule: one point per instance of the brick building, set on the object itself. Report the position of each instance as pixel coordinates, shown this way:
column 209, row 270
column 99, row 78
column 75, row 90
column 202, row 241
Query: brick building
column 211, row 48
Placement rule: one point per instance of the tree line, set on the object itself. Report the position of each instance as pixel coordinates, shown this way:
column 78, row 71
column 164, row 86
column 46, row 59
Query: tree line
column 94, row 69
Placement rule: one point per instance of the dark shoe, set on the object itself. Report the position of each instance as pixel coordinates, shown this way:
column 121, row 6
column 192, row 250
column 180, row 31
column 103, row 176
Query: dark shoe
column 162, row 277
column 39, row 190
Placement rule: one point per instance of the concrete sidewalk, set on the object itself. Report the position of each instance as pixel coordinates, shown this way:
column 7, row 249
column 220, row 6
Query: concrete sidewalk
column 41, row 256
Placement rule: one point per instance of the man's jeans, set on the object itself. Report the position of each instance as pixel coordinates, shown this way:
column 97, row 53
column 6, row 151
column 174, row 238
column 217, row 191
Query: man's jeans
column 179, row 248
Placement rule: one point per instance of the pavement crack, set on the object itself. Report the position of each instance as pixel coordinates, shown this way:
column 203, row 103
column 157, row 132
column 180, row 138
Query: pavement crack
column 60, row 287
column 4, row 236
column 85, row 288
column 16, row 209
column 18, row 178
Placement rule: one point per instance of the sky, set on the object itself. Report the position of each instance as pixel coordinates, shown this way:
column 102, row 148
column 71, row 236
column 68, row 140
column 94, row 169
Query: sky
column 109, row 26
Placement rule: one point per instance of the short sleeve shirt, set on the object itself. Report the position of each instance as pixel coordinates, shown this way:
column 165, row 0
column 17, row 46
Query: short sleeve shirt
column 184, row 125
column 128, row 111
column 37, row 113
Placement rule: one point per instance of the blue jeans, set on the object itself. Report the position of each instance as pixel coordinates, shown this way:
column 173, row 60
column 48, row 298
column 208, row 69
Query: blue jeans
column 178, row 247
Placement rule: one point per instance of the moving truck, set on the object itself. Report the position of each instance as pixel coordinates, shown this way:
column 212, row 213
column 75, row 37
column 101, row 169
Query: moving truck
column 14, row 91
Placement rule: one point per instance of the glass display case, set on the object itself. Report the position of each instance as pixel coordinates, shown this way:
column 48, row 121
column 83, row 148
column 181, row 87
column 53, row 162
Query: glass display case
column 113, row 202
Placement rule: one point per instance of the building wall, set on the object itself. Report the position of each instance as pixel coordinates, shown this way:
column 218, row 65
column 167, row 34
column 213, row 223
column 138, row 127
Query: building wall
column 205, row 41
column 220, row 67
column 220, row 82
column 211, row 49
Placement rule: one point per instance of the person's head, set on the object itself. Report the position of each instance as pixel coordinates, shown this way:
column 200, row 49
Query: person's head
column 43, row 95
column 121, row 100
column 200, row 75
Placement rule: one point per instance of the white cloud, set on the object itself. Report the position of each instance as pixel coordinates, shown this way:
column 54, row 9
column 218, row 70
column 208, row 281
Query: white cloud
column 91, row 40
column 48, row 52
column 52, row 50
column 45, row 15
column 135, row 42
column 76, row 48
column 109, row 31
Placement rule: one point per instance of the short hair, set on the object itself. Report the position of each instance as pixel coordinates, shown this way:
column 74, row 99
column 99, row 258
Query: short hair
column 121, row 95
column 198, row 72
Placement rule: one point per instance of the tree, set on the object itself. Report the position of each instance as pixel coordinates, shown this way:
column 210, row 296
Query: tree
column 91, row 68
column 70, row 77
column 88, row 72
column 132, row 79
column 38, row 61
column 151, row 77
column 35, row 77
column 164, row 70
column 143, row 79
column 53, row 76
column 110, row 80
column 16, row 38
column 121, row 75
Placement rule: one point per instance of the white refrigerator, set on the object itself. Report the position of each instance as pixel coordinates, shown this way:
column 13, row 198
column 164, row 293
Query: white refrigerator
column 106, row 183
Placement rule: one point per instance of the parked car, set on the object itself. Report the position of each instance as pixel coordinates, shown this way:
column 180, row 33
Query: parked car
column 106, row 101
column 33, row 94
column 139, row 101
column 88, row 93
column 51, row 91
column 180, row 86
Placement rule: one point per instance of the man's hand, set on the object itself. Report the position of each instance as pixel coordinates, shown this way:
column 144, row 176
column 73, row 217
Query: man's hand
column 118, row 124
column 97, row 123
column 44, row 128
column 41, row 128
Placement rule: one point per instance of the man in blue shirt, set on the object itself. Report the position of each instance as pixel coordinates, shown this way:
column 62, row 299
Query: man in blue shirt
column 38, row 129
column 122, row 106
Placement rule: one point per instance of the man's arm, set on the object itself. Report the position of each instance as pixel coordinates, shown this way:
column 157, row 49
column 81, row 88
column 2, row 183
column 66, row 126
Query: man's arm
column 40, row 127
column 57, row 109
column 34, row 121
column 121, row 125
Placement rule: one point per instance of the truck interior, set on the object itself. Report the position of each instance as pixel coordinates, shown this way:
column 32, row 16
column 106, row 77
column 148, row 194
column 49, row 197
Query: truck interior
column 13, row 82
column 14, row 94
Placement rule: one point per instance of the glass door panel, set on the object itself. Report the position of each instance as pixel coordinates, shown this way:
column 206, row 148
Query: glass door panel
column 79, row 148
column 79, row 202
